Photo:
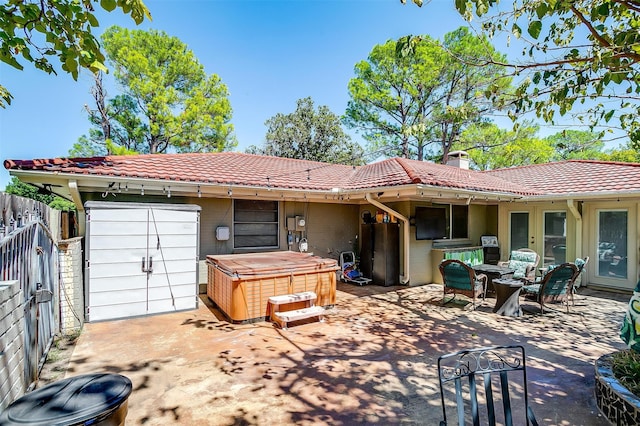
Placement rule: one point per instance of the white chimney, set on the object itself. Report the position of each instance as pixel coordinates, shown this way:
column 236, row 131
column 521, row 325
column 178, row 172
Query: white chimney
column 458, row 159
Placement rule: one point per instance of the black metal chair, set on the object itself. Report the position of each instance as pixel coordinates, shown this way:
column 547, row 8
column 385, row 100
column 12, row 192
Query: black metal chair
column 487, row 377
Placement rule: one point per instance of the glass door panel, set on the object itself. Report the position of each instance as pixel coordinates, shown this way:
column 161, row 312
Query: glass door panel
column 519, row 230
column 612, row 243
column 555, row 238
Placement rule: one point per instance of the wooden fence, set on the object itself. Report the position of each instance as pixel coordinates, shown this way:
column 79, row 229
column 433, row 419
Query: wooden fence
column 29, row 254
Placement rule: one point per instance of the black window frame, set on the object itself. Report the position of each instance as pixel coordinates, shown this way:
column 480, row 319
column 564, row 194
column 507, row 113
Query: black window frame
column 267, row 217
column 457, row 224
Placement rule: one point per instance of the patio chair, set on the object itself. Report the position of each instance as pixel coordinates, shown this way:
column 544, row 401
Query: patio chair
column 460, row 278
column 577, row 281
column 524, row 262
column 496, row 375
column 555, row 286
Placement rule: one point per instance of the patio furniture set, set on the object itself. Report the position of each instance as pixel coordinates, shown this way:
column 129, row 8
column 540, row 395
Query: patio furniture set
column 511, row 279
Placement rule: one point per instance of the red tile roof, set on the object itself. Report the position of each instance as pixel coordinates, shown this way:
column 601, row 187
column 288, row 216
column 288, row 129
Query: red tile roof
column 456, row 177
column 254, row 170
column 219, row 168
column 233, row 168
column 574, row 176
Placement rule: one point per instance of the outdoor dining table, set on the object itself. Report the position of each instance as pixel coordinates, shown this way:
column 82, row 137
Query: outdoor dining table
column 507, row 297
column 493, row 272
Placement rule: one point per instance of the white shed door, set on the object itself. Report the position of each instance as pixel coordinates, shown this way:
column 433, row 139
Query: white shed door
column 141, row 261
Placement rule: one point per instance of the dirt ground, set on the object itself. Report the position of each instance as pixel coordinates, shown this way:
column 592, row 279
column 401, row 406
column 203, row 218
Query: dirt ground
column 58, row 358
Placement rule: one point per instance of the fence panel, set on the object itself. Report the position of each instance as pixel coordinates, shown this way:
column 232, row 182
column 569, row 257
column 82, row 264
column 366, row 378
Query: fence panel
column 29, row 254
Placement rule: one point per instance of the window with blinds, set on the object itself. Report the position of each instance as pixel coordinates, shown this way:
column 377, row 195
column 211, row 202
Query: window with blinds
column 255, row 224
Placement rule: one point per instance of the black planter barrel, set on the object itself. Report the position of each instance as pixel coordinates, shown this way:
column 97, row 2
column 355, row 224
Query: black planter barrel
column 90, row 399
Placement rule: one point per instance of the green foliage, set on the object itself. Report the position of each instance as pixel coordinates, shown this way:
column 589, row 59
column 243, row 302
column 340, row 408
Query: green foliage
column 88, row 147
column 623, row 153
column 490, row 147
column 60, row 203
column 169, row 102
column 582, row 58
column 36, row 31
column 626, row 368
column 22, row 189
column 309, row 134
column 576, row 145
column 415, row 102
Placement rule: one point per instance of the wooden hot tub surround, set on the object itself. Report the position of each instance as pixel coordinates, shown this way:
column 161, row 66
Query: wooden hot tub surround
column 241, row 284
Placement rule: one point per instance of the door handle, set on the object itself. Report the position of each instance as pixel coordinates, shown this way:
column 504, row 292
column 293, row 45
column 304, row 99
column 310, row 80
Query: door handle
column 144, row 262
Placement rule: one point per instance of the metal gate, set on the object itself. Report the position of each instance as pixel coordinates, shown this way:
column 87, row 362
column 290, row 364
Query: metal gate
column 29, row 255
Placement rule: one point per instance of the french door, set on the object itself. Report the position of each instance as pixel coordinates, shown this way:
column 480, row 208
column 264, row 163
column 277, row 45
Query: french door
column 611, row 240
column 542, row 230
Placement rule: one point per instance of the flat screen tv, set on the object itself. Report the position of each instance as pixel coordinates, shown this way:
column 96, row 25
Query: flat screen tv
column 431, row 223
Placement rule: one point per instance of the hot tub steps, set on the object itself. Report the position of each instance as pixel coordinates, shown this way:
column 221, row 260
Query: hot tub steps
column 281, row 315
column 299, row 314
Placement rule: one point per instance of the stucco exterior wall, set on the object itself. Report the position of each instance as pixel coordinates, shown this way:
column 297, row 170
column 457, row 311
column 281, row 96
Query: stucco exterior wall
column 215, row 212
column 331, row 228
column 483, row 220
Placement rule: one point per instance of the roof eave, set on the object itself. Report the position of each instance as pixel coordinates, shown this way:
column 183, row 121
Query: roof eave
column 600, row 196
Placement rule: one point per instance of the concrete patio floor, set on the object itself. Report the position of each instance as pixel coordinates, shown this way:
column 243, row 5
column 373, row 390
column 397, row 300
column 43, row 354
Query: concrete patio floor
column 372, row 362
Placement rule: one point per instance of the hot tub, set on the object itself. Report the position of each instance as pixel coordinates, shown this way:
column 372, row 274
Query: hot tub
column 241, row 284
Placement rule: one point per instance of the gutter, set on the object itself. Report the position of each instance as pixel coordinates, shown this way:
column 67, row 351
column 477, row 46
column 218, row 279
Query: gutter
column 404, row 279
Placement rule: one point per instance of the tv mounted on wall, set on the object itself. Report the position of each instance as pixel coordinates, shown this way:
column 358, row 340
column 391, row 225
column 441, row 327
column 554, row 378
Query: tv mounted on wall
column 431, row 223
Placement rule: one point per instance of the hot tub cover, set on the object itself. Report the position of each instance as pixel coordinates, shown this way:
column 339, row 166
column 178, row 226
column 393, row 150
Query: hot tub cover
column 271, row 263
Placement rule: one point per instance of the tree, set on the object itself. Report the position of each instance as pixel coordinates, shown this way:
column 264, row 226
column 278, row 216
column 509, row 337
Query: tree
column 307, row 134
column 169, row 102
column 35, row 31
column 118, row 128
column 576, row 144
column 623, row 153
column 22, row 189
column 490, row 147
column 579, row 53
column 405, row 105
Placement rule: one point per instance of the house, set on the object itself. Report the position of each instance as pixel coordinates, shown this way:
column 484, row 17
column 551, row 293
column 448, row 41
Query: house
column 252, row 203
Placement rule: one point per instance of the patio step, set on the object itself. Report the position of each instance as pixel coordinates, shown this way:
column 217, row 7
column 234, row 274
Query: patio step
column 283, row 317
column 292, row 298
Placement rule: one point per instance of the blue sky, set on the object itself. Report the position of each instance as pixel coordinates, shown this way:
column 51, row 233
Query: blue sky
column 269, row 53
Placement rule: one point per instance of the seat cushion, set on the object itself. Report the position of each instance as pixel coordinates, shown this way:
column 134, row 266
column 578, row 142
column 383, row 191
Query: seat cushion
column 520, row 260
column 532, row 288
column 519, row 268
column 524, row 256
column 456, row 276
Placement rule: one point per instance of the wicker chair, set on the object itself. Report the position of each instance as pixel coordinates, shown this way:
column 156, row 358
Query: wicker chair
column 577, row 280
column 459, row 278
column 555, row 286
column 524, row 262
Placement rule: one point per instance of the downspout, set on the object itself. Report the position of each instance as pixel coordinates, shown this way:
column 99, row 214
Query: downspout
column 573, row 208
column 77, row 201
column 405, row 278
